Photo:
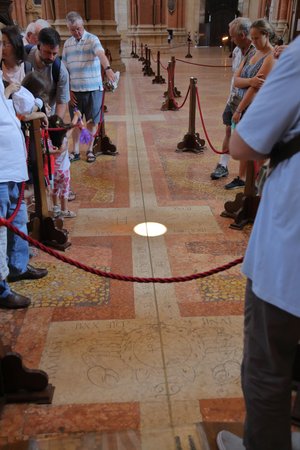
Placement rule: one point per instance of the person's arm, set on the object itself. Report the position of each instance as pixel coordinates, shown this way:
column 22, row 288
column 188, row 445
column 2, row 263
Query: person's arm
column 105, row 64
column 240, row 150
column 252, row 91
column 61, row 109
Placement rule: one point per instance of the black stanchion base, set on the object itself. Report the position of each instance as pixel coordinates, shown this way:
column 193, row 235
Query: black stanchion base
column 188, row 55
column 141, row 58
column 169, row 105
column 135, row 55
column 191, row 143
column 148, row 72
column 104, row 146
column 158, row 80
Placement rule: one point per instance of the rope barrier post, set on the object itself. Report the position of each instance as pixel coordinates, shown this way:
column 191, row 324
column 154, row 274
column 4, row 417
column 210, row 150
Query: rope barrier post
column 20, row 384
column 42, row 225
column 191, row 141
column 244, row 207
column 176, row 92
column 158, row 79
column 132, row 49
column 148, row 69
column 145, row 62
column 135, row 55
column 141, row 58
column 188, row 55
column 170, row 103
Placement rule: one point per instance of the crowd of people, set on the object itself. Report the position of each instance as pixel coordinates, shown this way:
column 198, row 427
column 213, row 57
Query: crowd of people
column 36, row 84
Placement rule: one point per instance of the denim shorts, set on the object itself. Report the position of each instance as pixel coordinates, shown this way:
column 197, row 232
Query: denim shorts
column 227, row 115
column 89, row 104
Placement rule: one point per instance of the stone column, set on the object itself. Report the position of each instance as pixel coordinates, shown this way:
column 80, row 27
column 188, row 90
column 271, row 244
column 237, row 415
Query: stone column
column 99, row 18
column 282, row 18
column 147, row 22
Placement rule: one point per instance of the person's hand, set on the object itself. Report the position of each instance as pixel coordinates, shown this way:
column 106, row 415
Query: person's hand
column 78, row 114
column 73, row 101
column 11, row 89
column 236, row 116
column 257, row 81
column 278, row 50
column 44, row 121
column 110, row 74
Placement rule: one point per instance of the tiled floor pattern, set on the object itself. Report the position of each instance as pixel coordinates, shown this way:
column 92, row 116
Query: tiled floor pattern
column 138, row 366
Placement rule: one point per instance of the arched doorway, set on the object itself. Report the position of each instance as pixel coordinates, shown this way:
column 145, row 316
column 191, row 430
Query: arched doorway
column 218, row 14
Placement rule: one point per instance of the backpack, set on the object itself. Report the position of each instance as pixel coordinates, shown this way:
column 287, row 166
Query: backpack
column 55, row 65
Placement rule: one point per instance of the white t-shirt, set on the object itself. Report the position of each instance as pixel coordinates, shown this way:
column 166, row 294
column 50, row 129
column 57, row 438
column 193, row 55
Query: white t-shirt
column 12, row 144
column 273, row 254
column 62, row 160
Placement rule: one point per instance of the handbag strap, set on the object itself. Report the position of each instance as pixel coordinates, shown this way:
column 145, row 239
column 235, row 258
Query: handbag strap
column 284, row 150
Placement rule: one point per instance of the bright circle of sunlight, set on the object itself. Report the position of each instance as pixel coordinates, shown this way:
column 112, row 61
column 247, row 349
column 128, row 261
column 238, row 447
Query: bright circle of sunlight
column 150, row 229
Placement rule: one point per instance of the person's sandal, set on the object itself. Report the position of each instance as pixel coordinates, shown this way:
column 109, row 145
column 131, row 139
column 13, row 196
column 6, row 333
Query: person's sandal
column 90, row 157
column 74, row 157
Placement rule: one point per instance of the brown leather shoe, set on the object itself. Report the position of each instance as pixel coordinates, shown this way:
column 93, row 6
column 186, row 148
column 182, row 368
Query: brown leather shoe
column 32, row 273
column 14, row 301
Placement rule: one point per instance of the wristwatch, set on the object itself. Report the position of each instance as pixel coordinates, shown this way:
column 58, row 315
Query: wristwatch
column 107, row 68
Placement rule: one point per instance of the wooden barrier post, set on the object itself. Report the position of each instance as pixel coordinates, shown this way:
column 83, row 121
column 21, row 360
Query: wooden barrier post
column 132, row 49
column 176, row 92
column 243, row 209
column 158, row 79
column 170, row 103
column 135, row 55
column 192, row 141
column 141, row 58
column 42, row 225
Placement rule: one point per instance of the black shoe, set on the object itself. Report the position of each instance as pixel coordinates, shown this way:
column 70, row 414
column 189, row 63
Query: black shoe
column 219, row 172
column 32, row 273
column 235, row 184
column 14, row 301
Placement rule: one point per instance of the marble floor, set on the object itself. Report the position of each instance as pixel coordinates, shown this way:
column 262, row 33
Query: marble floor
column 139, row 366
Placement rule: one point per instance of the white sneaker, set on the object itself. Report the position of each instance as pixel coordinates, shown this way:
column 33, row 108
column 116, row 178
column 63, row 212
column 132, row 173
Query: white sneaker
column 67, row 214
column 229, row 441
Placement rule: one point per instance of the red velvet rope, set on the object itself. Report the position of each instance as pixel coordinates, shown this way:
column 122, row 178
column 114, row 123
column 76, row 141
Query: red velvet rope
column 114, row 276
column 204, row 128
column 201, row 65
column 187, row 94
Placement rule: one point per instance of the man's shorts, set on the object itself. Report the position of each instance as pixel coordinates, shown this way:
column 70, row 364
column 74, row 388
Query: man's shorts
column 89, row 104
column 227, row 115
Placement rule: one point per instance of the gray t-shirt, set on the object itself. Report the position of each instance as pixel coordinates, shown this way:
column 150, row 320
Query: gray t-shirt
column 58, row 92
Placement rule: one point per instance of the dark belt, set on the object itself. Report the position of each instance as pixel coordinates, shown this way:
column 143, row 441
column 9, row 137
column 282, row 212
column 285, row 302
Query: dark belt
column 284, row 150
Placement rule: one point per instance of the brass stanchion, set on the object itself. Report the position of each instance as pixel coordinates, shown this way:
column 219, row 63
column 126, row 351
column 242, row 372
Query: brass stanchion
column 158, row 79
column 192, row 141
column 170, row 103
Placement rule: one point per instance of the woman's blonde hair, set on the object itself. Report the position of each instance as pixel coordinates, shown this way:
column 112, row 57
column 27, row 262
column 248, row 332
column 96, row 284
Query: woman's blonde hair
column 264, row 27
